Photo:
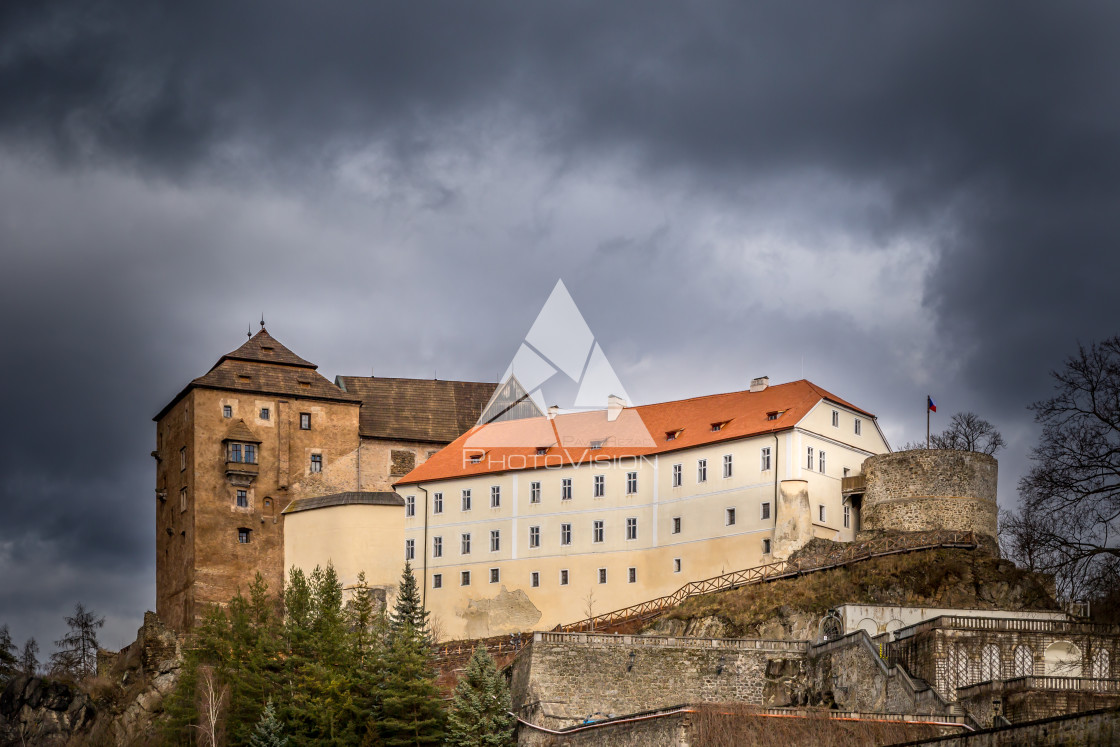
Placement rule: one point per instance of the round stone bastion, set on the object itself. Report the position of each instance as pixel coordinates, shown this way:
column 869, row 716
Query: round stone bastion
column 925, row 489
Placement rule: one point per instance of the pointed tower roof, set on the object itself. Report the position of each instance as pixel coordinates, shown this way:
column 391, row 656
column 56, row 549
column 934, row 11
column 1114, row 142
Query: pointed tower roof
column 264, row 348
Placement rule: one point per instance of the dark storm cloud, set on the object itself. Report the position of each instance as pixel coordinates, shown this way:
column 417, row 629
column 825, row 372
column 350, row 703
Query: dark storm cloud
column 170, row 170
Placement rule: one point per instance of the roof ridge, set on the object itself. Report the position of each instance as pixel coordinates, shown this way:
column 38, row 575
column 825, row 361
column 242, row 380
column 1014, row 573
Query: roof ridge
column 264, row 348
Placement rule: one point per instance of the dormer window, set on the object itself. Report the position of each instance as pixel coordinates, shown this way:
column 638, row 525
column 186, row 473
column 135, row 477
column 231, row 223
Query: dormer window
column 672, row 435
column 773, row 415
column 477, row 457
column 596, row 444
column 304, row 384
column 716, row 427
column 266, row 347
column 244, row 377
column 542, row 450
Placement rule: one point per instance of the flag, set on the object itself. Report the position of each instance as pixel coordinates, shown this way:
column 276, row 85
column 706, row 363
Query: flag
column 930, row 404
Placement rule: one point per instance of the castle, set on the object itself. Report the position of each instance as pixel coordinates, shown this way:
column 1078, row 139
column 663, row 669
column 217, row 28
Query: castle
column 516, row 522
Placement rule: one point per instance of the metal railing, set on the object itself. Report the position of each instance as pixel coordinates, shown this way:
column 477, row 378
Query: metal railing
column 1033, row 682
column 661, row 641
column 1010, row 625
column 851, row 553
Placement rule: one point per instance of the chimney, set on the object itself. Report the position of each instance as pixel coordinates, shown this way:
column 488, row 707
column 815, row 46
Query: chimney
column 615, row 406
column 553, row 411
column 760, row 384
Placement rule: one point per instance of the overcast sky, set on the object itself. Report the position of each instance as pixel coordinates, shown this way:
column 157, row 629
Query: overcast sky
column 886, row 198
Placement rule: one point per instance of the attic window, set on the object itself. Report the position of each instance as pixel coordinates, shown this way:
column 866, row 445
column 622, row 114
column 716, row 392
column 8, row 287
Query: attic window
column 266, row 347
column 542, row 450
column 244, row 377
column 773, row 415
column 305, row 384
column 719, row 426
column 672, row 435
column 596, row 444
column 477, row 458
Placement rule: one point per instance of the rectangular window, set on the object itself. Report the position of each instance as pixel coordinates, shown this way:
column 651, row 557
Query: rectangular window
column 235, row 452
column 631, row 575
column 535, row 579
column 264, row 413
column 566, row 489
column 631, row 483
column 465, row 578
column 676, row 565
column 809, row 458
column 437, row 503
column 495, row 496
column 765, row 458
column 702, row 470
column 676, row 525
column 465, row 543
column 764, row 511
column 631, row 528
column 495, row 575
column 602, row 575
column 765, row 547
column 251, row 453
column 858, row 426
column 410, row 505
column 305, row 421
column 534, row 536
column 534, row 492
column 820, row 460
column 437, row 580
column 243, row 536
column 242, row 499
column 677, row 475
column 437, row 547
column 726, row 465
column 835, row 419
column 183, row 500
column 410, row 549
column 600, row 485
column 565, row 534
column 564, row 577
column 495, row 540
column 847, row 517
column 316, row 462
column 820, row 512
column 467, row 499
column 730, row 517
column 597, row 532
column 227, row 411
column 182, row 458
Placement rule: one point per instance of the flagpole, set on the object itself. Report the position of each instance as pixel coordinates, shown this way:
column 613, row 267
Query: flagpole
column 927, row 422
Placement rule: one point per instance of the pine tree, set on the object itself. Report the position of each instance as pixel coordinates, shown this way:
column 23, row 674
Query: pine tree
column 480, row 710
column 411, row 710
column 408, row 607
column 269, row 731
column 77, row 650
column 29, row 659
column 9, row 663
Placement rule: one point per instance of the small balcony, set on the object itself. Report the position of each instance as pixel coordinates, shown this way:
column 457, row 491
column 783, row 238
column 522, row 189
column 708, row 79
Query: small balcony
column 854, row 485
column 241, row 473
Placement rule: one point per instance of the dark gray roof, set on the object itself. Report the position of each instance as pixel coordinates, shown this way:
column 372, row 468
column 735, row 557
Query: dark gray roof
column 430, row 410
column 366, row 498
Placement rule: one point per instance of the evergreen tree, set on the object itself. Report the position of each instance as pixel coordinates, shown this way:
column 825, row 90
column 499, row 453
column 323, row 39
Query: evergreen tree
column 77, row 650
column 269, row 731
column 29, row 660
column 9, row 663
column 480, row 710
column 411, row 709
column 408, row 608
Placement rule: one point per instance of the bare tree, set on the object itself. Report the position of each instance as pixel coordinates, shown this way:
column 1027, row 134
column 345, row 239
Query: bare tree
column 29, row 659
column 77, row 650
column 1072, row 492
column 589, row 607
column 968, row 431
column 211, row 707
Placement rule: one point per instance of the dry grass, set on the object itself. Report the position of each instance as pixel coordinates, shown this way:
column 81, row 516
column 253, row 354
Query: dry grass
column 943, row 578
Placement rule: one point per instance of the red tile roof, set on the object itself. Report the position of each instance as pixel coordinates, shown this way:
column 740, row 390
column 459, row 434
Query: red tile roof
column 638, row 431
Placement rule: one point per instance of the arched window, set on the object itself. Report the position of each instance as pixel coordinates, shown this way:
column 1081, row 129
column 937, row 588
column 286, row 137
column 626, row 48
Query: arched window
column 1099, row 668
column 1062, row 659
column 1024, row 662
column 990, row 663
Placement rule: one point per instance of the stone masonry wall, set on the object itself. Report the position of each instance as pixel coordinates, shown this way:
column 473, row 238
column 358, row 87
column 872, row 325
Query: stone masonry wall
column 1093, row 728
column 561, row 679
column 930, row 489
